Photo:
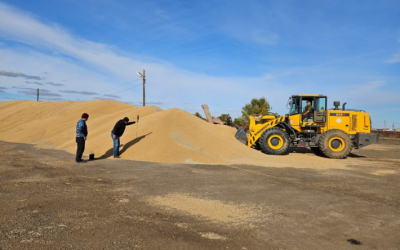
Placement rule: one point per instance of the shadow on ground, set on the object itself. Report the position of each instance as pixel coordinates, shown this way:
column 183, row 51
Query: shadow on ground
column 302, row 150
column 126, row 146
column 352, row 155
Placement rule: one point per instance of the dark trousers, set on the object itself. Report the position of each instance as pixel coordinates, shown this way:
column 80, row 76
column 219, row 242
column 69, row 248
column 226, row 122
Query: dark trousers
column 307, row 116
column 80, row 141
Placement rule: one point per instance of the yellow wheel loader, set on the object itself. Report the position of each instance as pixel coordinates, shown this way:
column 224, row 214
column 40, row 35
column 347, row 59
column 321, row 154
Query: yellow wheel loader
column 332, row 133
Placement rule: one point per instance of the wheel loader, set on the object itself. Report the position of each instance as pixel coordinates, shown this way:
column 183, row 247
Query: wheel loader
column 332, row 133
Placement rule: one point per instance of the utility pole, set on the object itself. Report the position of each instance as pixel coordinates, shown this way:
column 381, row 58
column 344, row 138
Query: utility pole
column 384, row 124
column 37, row 95
column 144, row 88
column 143, row 76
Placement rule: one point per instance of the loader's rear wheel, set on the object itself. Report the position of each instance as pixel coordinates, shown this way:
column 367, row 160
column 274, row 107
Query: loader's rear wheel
column 335, row 144
column 274, row 141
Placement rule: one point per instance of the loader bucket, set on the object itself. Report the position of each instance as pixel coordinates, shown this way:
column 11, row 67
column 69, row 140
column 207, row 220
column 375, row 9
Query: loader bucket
column 241, row 136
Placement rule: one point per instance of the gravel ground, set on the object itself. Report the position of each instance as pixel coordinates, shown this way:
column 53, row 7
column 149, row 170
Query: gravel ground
column 50, row 202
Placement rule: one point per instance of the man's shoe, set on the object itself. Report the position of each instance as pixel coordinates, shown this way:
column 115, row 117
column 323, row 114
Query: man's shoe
column 83, row 161
column 117, row 157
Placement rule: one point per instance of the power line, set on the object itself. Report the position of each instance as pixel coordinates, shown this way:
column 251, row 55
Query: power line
column 126, row 89
column 120, row 84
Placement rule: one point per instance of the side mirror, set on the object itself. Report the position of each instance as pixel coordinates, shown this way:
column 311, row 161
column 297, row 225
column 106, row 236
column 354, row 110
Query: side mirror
column 289, row 103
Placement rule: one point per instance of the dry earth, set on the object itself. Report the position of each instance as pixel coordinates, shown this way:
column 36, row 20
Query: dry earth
column 50, row 202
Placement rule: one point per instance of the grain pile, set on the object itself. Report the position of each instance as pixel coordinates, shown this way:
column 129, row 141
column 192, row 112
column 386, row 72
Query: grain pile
column 172, row 135
column 214, row 210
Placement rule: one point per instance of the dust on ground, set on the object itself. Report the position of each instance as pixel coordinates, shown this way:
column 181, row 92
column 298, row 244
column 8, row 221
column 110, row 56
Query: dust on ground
column 50, row 202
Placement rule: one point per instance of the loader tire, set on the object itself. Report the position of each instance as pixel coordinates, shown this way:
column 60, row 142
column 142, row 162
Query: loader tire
column 335, row 144
column 274, row 141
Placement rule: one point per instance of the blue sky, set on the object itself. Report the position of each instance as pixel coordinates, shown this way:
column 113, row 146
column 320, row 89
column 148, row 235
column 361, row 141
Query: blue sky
column 222, row 53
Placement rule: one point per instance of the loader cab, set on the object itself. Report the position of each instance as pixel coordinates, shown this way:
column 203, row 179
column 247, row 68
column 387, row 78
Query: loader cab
column 297, row 103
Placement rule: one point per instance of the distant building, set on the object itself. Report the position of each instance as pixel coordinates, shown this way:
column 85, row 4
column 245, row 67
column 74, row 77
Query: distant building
column 382, row 129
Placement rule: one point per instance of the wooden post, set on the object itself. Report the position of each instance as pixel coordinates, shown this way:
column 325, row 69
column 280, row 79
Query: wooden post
column 37, row 95
column 144, row 88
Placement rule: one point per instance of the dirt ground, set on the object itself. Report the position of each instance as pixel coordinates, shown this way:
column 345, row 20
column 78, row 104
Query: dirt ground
column 50, row 202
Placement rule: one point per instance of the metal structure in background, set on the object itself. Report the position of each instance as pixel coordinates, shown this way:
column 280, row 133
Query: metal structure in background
column 144, row 83
column 209, row 118
column 207, row 113
column 37, row 95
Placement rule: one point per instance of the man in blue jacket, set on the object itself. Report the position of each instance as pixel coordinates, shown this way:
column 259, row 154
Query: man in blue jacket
column 81, row 135
column 117, row 132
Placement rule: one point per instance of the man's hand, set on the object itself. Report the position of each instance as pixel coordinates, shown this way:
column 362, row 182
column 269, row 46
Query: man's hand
column 114, row 136
column 85, row 138
column 137, row 121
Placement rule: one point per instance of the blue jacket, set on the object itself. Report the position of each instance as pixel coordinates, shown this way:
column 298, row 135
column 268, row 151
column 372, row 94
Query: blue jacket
column 81, row 129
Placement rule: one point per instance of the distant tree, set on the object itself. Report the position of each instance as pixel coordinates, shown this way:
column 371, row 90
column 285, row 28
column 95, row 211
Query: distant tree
column 199, row 116
column 240, row 122
column 256, row 107
column 224, row 118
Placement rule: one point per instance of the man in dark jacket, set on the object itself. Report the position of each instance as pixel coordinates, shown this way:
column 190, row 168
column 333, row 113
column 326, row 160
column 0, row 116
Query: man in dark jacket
column 81, row 135
column 117, row 132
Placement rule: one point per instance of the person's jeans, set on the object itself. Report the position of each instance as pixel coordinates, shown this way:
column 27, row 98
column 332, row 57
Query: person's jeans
column 80, row 142
column 116, row 144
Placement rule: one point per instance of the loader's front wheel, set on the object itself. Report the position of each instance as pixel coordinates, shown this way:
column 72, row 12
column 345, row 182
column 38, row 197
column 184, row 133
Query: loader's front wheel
column 335, row 144
column 274, row 141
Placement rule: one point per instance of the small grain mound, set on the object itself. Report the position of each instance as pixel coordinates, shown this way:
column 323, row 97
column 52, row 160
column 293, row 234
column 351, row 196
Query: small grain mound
column 172, row 135
column 384, row 172
column 212, row 209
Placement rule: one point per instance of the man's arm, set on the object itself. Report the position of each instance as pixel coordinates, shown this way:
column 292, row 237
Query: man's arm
column 130, row 123
column 85, row 131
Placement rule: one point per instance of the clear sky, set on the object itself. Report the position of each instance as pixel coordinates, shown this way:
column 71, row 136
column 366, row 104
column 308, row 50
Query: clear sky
column 222, row 53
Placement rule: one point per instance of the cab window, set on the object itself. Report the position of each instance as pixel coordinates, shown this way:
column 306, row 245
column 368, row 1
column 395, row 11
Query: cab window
column 320, row 104
column 304, row 103
column 294, row 109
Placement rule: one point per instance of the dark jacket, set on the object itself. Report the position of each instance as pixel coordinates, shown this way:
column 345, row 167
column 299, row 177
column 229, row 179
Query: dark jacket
column 81, row 129
column 119, row 127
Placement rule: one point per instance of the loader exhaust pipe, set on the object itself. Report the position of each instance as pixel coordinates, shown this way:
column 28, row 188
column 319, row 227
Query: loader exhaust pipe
column 344, row 106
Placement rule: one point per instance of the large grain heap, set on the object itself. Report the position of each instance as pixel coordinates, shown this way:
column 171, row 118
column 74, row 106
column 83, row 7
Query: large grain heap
column 162, row 135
